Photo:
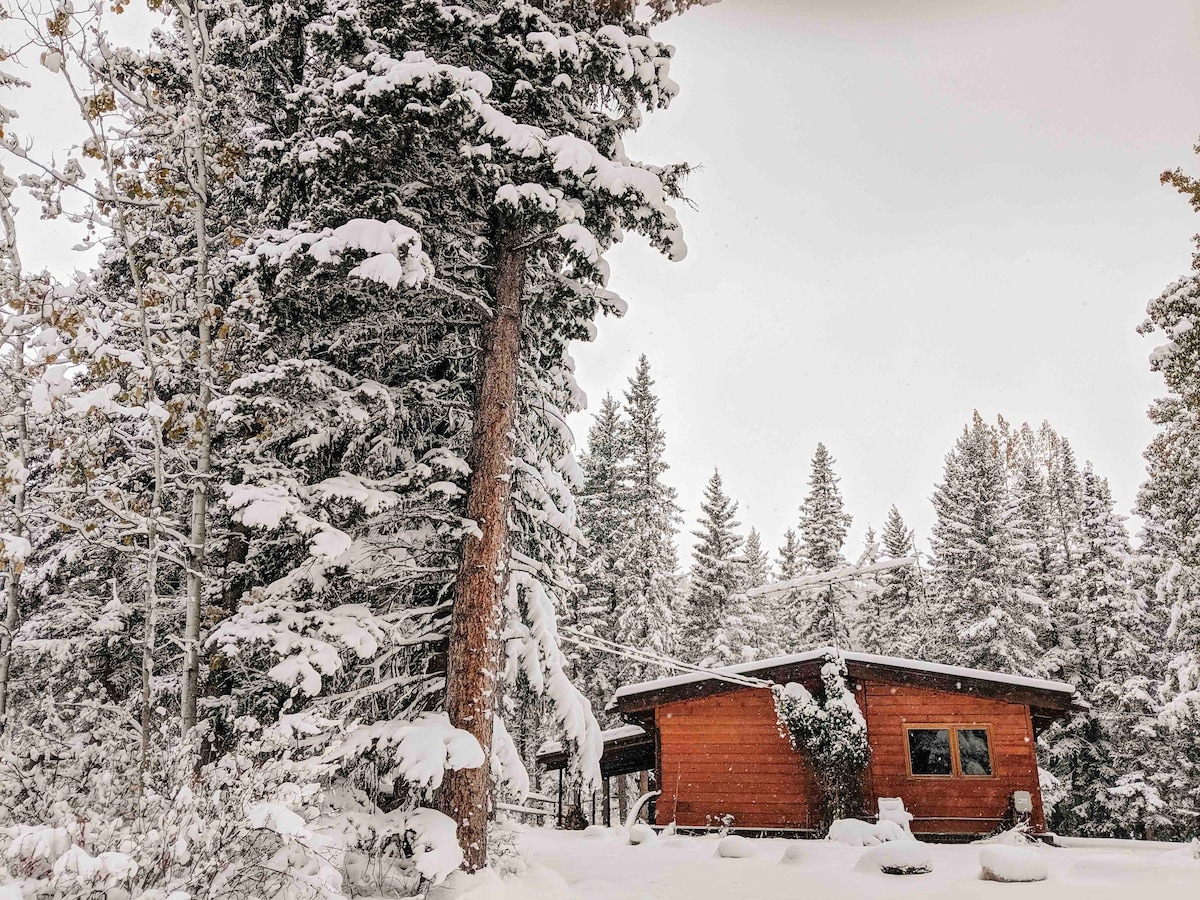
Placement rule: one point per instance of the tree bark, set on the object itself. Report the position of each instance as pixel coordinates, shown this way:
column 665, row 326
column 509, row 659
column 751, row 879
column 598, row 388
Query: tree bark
column 13, row 585
column 473, row 653
column 194, row 29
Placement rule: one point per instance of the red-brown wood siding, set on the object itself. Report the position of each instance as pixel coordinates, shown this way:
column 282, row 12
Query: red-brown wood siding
column 956, row 803
column 723, row 755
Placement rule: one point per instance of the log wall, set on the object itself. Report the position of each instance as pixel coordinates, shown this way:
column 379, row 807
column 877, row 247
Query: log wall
column 723, row 755
column 952, row 804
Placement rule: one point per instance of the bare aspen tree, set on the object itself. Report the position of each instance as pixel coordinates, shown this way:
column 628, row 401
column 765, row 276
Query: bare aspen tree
column 68, row 36
column 12, row 287
column 193, row 29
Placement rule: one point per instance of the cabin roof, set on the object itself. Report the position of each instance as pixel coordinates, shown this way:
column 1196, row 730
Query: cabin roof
column 1039, row 693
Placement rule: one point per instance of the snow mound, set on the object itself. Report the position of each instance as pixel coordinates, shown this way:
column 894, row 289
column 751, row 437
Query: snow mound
column 736, row 847
column 857, row 833
column 793, row 854
column 597, row 831
column 535, row 883
column 897, row 858
column 642, row 834
column 1001, row 862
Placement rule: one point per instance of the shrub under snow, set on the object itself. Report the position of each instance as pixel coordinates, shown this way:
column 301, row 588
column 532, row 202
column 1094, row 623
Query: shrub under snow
column 736, row 847
column 897, row 858
column 1003, row 862
column 857, row 833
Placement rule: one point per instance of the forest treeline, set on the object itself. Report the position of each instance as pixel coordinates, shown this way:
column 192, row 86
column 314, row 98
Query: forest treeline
column 1030, row 571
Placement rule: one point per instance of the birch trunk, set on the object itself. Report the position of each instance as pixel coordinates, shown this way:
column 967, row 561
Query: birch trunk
column 13, row 587
column 195, row 33
column 472, row 659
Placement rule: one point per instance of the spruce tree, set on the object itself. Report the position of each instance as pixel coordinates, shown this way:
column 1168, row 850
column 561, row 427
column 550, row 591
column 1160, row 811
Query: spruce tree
column 988, row 622
column 872, row 632
column 783, row 609
column 900, row 602
column 824, row 521
column 646, row 560
column 716, row 574
column 1092, row 751
column 603, row 520
column 755, row 564
column 1168, row 504
column 791, row 562
column 824, row 617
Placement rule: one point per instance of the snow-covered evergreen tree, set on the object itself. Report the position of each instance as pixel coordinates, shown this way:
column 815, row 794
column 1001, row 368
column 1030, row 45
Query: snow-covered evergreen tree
column 872, row 632
column 648, row 601
column 603, row 519
column 900, row 603
column 989, row 622
column 823, row 617
column 1170, row 551
column 1113, row 738
column 716, row 574
column 755, row 562
column 824, row 521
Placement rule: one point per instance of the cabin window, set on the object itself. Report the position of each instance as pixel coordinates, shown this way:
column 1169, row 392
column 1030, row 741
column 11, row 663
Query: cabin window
column 973, row 755
column 947, row 750
column 929, row 751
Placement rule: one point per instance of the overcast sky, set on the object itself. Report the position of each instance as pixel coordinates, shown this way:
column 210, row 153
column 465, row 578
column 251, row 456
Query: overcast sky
column 905, row 211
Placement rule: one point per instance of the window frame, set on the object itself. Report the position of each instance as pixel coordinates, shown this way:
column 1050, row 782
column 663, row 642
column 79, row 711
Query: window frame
column 955, row 763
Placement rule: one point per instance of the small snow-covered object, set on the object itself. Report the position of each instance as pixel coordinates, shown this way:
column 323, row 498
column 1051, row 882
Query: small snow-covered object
column 897, row 858
column 857, row 833
column 793, row 854
column 642, row 834
column 596, row 831
column 1001, row 862
column 736, row 847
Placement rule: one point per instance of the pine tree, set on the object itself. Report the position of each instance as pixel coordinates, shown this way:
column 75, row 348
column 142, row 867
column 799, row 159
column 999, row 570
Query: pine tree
column 755, row 564
column 716, row 573
column 782, row 609
column 790, row 557
column 988, row 622
column 872, row 632
column 1169, row 576
column 646, row 558
column 824, row 521
column 603, row 519
column 824, row 524
column 900, row 603
column 1092, row 751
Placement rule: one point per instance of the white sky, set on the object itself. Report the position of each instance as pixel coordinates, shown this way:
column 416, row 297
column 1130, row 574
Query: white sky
column 906, row 210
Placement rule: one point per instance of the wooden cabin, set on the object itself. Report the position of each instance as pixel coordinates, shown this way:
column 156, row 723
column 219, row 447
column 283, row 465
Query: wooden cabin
column 953, row 743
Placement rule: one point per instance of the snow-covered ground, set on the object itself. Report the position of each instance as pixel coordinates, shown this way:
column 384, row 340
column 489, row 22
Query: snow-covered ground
column 604, row 866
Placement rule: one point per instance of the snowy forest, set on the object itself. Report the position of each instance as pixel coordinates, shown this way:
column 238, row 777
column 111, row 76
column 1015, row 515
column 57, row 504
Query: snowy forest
column 301, row 561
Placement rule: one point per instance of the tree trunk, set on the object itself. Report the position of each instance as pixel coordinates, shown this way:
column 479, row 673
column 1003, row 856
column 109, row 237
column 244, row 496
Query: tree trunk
column 471, row 669
column 195, row 32
column 13, row 585
column 13, row 588
column 622, row 797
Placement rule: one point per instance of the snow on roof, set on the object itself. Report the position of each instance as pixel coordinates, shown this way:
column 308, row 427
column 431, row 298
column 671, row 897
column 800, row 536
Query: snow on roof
column 613, row 734
column 896, row 662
